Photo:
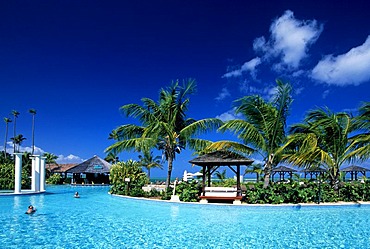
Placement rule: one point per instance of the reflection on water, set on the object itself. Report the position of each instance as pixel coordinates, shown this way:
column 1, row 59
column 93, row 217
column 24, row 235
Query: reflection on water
column 174, row 212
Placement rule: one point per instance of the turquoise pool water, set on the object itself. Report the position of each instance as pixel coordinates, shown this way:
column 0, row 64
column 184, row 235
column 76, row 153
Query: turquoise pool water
column 98, row 220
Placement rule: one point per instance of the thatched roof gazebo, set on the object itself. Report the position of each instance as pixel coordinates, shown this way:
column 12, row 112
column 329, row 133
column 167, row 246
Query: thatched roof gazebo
column 354, row 170
column 317, row 171
column 210, row 162
column 94, row 170
column 282, row 171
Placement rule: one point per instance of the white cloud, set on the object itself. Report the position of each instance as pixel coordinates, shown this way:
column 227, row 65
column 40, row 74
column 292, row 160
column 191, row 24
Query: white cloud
column 289, row 41
column 229, row 115
column 249, row 66
column 223, row 94
column 325, row 94
column 69, row 159
column 10, row 149
column 351, row 68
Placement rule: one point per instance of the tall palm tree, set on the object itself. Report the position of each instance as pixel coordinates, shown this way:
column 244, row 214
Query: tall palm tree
column 33, row 113
column 17, row 141
column 7, row 121
column 263, row 128
column 322, row 140
column 15, row 115
column 149, row 161
column 163, row 124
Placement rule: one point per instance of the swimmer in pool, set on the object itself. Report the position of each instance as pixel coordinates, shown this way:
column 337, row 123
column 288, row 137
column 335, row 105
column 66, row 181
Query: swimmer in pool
column 30, row 210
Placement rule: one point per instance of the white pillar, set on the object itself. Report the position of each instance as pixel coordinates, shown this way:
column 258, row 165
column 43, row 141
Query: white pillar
column 42, row 174
column 18, row 173
column 35, row 184
column 37, row 169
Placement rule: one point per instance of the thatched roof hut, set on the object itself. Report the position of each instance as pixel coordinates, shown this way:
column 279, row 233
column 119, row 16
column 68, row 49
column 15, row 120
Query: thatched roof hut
column 60, row 168
column 93, row 165
column 92, row 171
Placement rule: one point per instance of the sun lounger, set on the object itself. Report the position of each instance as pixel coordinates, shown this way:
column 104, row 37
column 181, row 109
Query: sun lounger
column 221, row 193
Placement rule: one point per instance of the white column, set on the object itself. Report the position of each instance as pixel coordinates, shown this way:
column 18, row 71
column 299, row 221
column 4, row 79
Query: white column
column 42, row 174
column 18, row 173
column 33, row 174
column 37, row 169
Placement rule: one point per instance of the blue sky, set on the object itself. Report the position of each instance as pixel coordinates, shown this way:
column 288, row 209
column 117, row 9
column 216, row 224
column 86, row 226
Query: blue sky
column 77, row 62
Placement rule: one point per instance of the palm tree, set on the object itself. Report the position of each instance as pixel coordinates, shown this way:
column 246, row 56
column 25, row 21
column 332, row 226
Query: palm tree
column 163, row 124
column 33, row 113
column 361, row 141
column 7, row 121
column 254, row 168
column 322, row 140
column 15, row 115
column 17, row 141
column 111, row 158
column 50, row 158
column 221, row 175
column 148, row 161
column 263, row 129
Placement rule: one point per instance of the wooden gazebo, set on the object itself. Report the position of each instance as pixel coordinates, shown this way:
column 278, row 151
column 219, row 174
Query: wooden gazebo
column 282, row 171
column 210, row 162
column 317, row 171
column 354, row 170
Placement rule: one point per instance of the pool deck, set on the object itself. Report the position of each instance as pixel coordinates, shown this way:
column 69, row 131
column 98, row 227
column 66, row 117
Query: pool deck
column 23, row 192
column 296, row 205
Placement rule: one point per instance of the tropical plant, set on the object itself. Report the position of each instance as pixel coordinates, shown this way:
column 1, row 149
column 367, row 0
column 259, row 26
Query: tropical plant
column 322, row 140
column 15, row 115
column 33, row 113
column 221, row 175
column 54, row 179
column 149, row 161
column 127, row 178
column 263, row 129
column 256, row 168
column 112, row 158
column 7, row 121
column 163, row 124
column 50, row 158
column 361, row 141
column 17, row 141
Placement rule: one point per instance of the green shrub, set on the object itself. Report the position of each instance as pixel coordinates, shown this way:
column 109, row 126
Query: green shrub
column 127, row 170
column 188, row 191
column 54, row 179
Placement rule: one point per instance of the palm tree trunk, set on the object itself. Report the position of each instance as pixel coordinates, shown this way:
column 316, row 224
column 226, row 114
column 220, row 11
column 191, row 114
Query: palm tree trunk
column 170, row 162
column 15, row 123
column 6, row 138
column 33, row 134
column 267, row 170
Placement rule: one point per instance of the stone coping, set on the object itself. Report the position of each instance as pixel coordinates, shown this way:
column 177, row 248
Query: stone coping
column 322, row 204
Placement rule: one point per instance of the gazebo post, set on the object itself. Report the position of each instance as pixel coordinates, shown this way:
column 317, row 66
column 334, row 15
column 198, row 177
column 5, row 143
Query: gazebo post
column 238, row 180
column 204, row 180
column 209, row 175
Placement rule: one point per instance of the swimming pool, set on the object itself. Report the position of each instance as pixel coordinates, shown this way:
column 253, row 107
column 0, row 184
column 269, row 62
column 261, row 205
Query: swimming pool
column 98, row 220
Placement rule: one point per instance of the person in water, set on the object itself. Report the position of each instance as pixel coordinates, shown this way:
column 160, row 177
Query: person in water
column 30, row 210
column 77, row 195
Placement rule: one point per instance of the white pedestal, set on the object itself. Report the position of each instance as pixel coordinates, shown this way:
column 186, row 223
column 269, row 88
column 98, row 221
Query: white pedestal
column 175, row 198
